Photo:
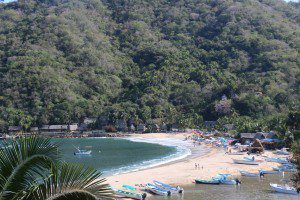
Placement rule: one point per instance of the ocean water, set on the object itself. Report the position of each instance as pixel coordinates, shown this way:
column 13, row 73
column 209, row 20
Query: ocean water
column 252, row 188
column 116, row 155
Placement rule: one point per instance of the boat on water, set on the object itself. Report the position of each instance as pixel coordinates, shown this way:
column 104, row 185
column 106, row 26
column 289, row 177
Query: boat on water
column 223, row 178
column 284, row 169
column 284, row 189
column 127, row 194
column 211, row 182
column 169, row 187
column 81, row 152
column 250, row 174
column 268, row 172
column 245, row 162
column 157, row 190
column 283, row 151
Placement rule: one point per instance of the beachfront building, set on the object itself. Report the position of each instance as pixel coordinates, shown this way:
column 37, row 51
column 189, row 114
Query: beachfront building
column 86, row 123
column 73, row 127
column 34, row 130
column 163, row 128
column 14, row 130
column 132, row 128
column 141, row 128
column 247, row 138
column 121, row 125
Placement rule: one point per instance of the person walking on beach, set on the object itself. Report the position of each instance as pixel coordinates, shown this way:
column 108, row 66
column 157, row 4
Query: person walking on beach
column 195, row 165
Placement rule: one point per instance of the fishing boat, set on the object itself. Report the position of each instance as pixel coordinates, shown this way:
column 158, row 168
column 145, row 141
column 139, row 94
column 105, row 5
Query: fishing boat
column 223, row 178
column 249, row 174
column 81, row 152
column 129, row 187
column 251, row 159
column 284, row 169
column 127, row 194
column 284, row 189
column 268, row 172
column 235, row 153
column 245, row 162
column 157, row 190
column 278, row 160
column 282, row 151
column 169, row 187
column 211, row 182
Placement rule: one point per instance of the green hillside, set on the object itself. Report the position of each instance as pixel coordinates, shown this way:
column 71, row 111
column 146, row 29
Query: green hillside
column 170, row 61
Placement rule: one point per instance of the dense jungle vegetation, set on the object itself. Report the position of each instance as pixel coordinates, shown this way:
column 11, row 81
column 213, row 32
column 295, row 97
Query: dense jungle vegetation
column 172, row 61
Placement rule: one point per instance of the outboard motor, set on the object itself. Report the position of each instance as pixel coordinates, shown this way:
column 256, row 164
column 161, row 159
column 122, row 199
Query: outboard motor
column 261, row 174
column 238, row 182
column 144, row 195
column 169, row 193
column 298, row 190
column 180, row 190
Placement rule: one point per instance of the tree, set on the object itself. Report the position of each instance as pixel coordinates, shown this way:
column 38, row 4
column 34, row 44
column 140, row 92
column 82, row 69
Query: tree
column 30, row 168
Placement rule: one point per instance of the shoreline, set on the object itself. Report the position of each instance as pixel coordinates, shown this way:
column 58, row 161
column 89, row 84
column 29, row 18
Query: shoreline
column 182, row 172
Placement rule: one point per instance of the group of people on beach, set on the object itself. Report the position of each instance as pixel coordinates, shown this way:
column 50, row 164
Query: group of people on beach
column 197, row 166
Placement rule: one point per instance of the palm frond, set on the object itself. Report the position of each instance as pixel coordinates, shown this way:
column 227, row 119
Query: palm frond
column 72, row 177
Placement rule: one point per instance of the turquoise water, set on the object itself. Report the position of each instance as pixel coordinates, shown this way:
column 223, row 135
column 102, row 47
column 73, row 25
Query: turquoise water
column 113, row 155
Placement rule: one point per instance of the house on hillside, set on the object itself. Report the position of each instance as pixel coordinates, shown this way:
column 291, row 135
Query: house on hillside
column 14, row 129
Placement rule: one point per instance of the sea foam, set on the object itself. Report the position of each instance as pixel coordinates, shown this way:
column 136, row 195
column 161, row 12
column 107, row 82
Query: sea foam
column 183, row 149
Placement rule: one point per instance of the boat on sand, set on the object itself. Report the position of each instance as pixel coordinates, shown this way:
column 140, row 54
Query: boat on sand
column 245, row 162
column 127, row 194
column 250, row 174
column 157, row 190
column 169, row 187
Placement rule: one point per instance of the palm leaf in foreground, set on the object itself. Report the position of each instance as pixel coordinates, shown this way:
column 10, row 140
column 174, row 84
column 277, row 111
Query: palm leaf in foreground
column 21, row 162
column 72, row 181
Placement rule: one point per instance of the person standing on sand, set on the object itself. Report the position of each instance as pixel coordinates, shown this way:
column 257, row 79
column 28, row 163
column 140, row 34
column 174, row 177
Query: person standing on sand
column 195, row 165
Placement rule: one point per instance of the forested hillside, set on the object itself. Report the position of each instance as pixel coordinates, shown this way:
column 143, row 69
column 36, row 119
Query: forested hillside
column 166, row 60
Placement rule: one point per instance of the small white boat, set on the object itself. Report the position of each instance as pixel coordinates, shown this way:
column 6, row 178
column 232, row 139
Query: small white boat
column 245, row 162
column 81, row 152
column 235, row 153
column 278, row 160
column 169, row 187
column 249, row 174
column 283, row 151
column 284, row 169
column 284, row 189
column 251, row 159
column 157, row 190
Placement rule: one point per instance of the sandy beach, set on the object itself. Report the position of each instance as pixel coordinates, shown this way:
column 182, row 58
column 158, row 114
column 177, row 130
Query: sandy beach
column 183, row 172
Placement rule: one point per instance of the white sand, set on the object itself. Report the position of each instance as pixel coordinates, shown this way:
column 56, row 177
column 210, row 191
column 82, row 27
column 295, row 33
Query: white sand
column 183, row 171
